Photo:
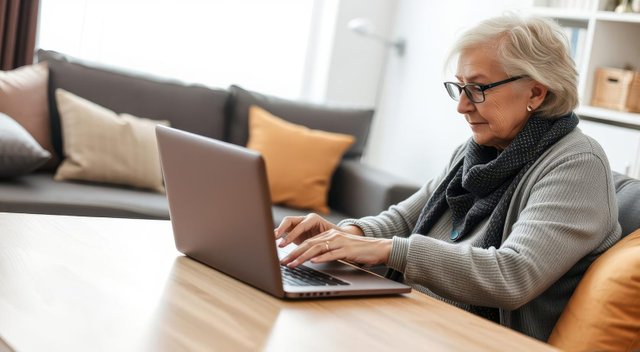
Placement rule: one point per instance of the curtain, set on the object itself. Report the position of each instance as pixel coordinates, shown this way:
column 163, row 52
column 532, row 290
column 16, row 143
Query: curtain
column 18, row 25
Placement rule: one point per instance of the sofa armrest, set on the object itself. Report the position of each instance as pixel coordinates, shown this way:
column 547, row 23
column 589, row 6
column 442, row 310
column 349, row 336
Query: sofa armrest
column 359, row 190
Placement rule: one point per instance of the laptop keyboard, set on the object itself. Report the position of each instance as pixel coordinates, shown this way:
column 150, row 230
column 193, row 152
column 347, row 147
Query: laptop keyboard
column 305, row 276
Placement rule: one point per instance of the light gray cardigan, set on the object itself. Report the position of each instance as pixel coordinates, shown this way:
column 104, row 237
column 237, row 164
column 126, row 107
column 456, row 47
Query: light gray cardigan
column 563, row 214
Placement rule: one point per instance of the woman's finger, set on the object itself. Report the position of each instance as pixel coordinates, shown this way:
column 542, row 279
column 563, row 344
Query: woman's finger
column 302, row 248
column 333, row 254
column 334, row 245
column 311, row 251
column 287, row 224
column 306, row 224
column 315, row 246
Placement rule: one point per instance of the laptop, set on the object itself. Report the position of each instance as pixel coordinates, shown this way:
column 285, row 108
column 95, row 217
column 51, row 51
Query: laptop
column 220, row 211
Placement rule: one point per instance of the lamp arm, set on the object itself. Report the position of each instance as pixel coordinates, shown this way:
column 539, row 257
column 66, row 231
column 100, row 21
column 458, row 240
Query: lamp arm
column 399, row 44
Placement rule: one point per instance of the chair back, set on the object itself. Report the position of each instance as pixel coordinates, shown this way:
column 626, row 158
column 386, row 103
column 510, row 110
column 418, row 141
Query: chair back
column 603, row 313
column 628, row 195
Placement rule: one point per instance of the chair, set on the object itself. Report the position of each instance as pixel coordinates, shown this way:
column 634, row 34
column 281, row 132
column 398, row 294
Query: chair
column 603, row 313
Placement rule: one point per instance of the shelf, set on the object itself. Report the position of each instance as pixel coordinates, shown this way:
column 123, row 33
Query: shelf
column 563, row 13
column 610, row 40
column 578, row 15
column 608, row 116
column 618, row 17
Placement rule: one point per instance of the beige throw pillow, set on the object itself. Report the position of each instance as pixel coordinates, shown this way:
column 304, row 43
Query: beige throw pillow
column 102, row 146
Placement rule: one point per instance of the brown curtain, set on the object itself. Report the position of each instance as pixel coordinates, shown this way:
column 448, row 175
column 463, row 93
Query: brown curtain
column 18, row 26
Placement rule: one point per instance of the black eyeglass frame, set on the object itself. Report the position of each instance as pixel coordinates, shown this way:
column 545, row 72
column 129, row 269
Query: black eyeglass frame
column 481, row 87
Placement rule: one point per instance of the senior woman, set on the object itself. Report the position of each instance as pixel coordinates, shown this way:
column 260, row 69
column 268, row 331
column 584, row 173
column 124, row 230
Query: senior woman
column 508, row 228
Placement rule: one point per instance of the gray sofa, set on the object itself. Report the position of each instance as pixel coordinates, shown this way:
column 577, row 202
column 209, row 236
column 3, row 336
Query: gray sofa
column 628, row 196
column 356, row 189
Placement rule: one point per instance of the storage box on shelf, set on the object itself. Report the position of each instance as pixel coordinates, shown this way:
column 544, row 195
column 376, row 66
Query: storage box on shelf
column 617, row 89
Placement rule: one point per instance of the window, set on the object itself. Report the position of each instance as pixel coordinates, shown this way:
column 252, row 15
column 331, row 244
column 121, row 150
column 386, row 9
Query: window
column 260, row 45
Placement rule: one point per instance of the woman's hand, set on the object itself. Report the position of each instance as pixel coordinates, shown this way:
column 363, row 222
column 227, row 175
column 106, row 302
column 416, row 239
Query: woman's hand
column 297, row 229
column 336, row 244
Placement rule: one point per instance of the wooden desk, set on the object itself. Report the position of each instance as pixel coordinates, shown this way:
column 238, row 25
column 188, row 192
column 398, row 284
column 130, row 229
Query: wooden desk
column 103, row 284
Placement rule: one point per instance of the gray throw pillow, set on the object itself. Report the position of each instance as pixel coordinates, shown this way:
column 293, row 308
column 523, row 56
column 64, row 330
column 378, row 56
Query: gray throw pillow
column 19, row 152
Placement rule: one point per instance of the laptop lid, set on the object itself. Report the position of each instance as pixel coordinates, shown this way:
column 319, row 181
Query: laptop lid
column 220, row 210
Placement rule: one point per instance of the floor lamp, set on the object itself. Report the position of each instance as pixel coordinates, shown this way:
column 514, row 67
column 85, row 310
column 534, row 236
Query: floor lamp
column 365, row 28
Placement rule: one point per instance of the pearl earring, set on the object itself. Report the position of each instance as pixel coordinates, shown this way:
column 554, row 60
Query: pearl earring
column 529, row 108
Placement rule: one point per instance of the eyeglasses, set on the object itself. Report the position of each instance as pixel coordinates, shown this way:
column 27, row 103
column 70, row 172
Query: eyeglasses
column 474, row 91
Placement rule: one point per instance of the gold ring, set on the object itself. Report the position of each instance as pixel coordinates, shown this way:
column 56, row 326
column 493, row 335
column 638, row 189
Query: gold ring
column 326, row 244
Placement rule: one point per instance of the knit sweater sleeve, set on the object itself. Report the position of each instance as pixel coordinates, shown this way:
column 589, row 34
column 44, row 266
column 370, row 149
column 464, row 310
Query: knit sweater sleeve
column 567, row 215
column 400, row 219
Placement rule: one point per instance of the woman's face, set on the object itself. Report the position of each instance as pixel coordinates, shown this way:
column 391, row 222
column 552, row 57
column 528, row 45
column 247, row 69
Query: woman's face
column 496, row 121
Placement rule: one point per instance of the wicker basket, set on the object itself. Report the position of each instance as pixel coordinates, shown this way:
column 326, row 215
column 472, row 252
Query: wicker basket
column 617, row 89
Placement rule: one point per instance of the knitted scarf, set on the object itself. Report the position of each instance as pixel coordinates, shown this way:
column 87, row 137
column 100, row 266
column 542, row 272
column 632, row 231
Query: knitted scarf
column 482, row 183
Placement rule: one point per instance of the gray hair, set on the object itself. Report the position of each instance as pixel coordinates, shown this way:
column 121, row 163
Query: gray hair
column 534, row 47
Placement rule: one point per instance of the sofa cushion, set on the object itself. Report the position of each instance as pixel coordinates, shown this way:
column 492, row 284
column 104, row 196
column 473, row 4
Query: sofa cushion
column 628, row 196
column 39, row 193
column 19, row 152
column 192, row 108
column 299, row 161
column 23, row 96
column 101, row 146
column 350, row 121
column 603, row 313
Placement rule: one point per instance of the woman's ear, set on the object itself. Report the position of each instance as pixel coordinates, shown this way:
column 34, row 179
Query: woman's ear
column 538, row 93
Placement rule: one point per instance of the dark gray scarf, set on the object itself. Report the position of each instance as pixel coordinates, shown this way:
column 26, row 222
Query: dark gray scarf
column 482, row 183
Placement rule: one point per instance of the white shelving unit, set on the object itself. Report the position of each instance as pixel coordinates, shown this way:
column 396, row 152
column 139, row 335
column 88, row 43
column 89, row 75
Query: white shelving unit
column 607, row 39
column 614, row 117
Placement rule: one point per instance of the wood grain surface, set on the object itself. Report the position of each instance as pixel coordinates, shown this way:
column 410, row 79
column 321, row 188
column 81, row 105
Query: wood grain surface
column 104, row 284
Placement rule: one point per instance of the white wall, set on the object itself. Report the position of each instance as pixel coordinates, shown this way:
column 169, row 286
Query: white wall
column 417, row 126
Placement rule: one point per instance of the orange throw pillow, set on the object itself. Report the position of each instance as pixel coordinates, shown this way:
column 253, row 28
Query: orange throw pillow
column 299, row 161
column 603, row 313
